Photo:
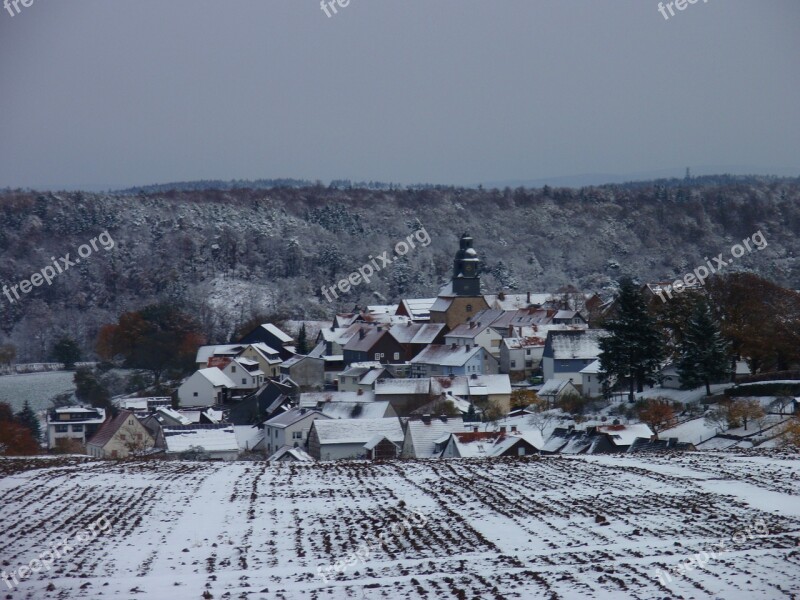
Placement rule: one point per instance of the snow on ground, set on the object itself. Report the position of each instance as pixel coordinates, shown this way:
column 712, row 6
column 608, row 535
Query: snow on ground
column 685, row 396
column 694, row 431
column 553, row 527
column 37, row 388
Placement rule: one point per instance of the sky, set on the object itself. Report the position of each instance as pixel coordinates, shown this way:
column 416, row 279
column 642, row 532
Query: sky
column 102, row 93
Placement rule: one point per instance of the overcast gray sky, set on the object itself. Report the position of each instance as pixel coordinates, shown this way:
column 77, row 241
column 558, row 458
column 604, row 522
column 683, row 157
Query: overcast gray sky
column 123, row 92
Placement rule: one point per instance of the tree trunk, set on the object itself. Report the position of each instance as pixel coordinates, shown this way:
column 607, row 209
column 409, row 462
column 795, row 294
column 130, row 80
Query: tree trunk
column 708, row 387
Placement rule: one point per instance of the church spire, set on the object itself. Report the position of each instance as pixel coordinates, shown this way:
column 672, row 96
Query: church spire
column 466, row 269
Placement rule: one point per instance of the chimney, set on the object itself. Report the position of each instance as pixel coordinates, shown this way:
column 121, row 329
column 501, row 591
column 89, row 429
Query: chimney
column 503, row 429
column 426, row 419
column 362, row 334
column 529, row 298
column 443, row 418
column 513, row 429
column 360, row 392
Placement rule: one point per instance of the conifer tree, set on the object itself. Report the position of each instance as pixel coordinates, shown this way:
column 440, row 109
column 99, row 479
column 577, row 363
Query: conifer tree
column 704, row 353
column 27, row 418
column 634, row 348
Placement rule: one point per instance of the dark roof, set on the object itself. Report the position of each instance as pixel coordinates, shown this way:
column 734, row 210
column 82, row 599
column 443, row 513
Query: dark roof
column 109, row 428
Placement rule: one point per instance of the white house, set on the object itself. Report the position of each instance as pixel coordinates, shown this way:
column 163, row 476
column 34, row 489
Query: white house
column 520, row 354
column 338, row 439
column 567, row 353
column 475, row 333
column 73, row 423
column 218, row 442
column 591, row 386
column 206, row 387
column 453, row 360
column 426, row 437
column 290, row 429
column 245, row 373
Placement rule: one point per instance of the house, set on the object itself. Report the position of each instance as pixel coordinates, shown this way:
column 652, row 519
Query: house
column 206, row 354
column 290, row 454
column 357, row 410
column 120, row 437
column 250, row 438
column 270, row 399
column 554, row 390
column 380, row 447
column 73, row 423
column 591, row 386
column 606, row 439
column 482, row 391
column 289, row 429
column 568, row 317
column 521, row 355
column 317, row 399
column 373, row 343
column 476, row 333
column 416, row 309
column 206, row 387
column 269, row 360
column 308, row 372
column 404, row 394
column 245, row 373
column 426, row 436
column 362, row 376
column 453, row 360
column 144, row 405
column 272, row 336
column 567, row 352
column 337, row 439
column 490, row 444
column 668, row 445
column 216, row 442
column 414, row 337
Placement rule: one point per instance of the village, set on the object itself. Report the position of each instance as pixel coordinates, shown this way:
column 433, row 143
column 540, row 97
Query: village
column 459, row 375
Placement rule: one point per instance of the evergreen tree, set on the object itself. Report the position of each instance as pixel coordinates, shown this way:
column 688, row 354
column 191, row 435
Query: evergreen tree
column 302, row 340
column 67, row 351
column 704, row 353
column 634, row 348
column 27, row 418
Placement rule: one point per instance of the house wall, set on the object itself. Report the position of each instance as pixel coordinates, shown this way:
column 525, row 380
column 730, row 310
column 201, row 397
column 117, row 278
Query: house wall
column 342, row 451
column 241, row 377
column 117, row 446
column 278, row 437
column 385, row 449
column 309, row 373
column 564, row 369
column 207, row 395
column 591, row 386
column 458, row 312
column 268, row 369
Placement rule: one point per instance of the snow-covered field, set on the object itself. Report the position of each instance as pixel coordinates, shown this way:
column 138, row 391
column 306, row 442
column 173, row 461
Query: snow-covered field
column 582, row 527
column 37, row 388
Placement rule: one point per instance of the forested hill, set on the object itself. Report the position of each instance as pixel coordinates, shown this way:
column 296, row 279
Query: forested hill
column 226, row 254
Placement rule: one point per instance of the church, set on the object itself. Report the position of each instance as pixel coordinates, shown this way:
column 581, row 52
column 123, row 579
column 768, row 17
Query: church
column 461, row 298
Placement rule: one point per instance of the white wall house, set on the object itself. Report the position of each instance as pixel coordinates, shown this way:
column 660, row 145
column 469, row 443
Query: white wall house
column 207, row 387
column 289, row 429
column 339, row 439
column 245, row 373
column 475, row 334
column 73, row 423
column 591, row 387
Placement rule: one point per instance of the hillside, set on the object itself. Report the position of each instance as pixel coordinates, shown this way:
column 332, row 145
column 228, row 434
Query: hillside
column 226, row 254
column 549, row 528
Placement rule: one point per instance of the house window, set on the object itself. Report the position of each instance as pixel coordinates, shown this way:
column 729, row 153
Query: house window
column 77, row 428
column 62, row 428
column 244, row 380
column 521, row 451
column 233, row 369
column 195, row 394
column 513, row 364
column 528, row 352
column 297, row 435
column 397, row 356
column 377, row 356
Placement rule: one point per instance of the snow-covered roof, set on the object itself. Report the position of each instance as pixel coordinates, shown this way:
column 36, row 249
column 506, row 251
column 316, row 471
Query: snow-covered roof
column 216, row 377
column 447, row 356
column 213, row 438
column 312, row 399
column 357, row 431
column 283, row 337
column 298, row 454
column 423, row 435
column 472, row 385
column 395, row 387
column 624, row 435
column 355, row 410
column 173, row 414
column 206, row 352
column 382, row 309
column 593, row 368
column 552, row 387
column 580, row 343
column 419, row 308
column 377, row 439
column 290, row 417
column 442, row 304
column 248, row 436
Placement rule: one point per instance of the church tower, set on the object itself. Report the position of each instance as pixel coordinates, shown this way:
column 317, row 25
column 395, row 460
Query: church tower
column 466, row 269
